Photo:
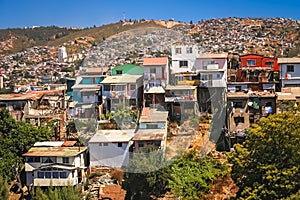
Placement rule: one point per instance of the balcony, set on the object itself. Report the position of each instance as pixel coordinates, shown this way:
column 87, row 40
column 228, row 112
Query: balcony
column 189, row 82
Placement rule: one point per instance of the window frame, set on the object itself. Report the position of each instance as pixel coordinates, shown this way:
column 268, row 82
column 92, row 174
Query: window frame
column 183, row 64
column 290, row 68
column 251, row 65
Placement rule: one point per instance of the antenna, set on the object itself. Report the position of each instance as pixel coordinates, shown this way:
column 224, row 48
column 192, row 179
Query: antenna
column 124, row 16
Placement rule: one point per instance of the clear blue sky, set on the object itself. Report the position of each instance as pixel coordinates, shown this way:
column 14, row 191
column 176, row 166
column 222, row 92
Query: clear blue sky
column 86, row 13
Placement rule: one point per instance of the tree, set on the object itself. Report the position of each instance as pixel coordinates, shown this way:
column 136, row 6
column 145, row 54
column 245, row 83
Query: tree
column 125, row 117
column 266, row 165
column 15, row 139
column 191, row 177
column 3, row 189
column 57, row 193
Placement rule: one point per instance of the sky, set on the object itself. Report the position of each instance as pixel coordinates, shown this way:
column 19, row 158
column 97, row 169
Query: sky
column 87, row 13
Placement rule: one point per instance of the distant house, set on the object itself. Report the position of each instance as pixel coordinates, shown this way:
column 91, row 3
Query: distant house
column 289, row 72
column 110, row 148
column 155, row 80
column 181, row 100
column 85, row 91
column 55, row 163
column 125, row 89
column 129, row 69
column 183, row 57
column 152, row 130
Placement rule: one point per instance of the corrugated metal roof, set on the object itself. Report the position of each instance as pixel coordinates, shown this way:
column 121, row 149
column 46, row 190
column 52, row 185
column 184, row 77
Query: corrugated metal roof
column 121, row 79
column 153, row 115
column 180, row 87
column 149, row 134
column 129, row 69
column 112, row 136
column 55, row 151
column 288, row 60
column 48, row 144
column 155, row 90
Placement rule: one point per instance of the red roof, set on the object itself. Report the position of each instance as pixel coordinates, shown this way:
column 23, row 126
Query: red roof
column 155, row 61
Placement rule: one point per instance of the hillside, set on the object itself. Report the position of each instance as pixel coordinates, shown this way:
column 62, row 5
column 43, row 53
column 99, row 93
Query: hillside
column 14, row 40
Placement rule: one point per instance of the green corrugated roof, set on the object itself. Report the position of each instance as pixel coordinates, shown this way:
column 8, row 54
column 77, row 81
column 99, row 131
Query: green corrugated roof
column 129, row 69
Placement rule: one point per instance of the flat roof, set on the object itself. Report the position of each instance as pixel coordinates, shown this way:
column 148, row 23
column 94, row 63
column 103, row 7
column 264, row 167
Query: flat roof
column 155, row 61
column 180, row 87
column 153, row 115
column 125, row 78
column 288, row 60
column 112, row 136
column 155, row 90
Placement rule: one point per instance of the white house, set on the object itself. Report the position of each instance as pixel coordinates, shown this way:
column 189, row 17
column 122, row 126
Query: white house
column 55, row 163
column 212, row 69
column 289, row 72
column 110, row 148
column 183, row 57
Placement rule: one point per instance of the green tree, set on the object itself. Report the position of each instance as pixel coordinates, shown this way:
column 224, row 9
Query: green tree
column 57, row 193
column 15, row 139
column 3, row 189
column 124, row 117
column 191, row 177
column 266, row 165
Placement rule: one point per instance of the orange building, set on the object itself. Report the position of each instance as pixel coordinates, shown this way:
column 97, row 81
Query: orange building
column 258, row 61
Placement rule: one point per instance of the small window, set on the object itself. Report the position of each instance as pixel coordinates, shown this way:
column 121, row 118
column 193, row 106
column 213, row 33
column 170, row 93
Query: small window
column 55, row 174
column 132, row 86
column 47, row 174
column 157, row 143
column 106, row 88
column 238, row 88
column 270, row 63
column 153, row 70
column 141, row 144
column 251, row 63
column 189, row 50
column 238, row 120
column 290, row 68
column 183, row 63
column 40, row 174
column 219, row 76
column 178, row 50
column 119, row 144
column 66, row 160
column 151, row 126
column 204, row 77
column 105, row 144
column 63, row 174
column 238, row 104
column 119, row 72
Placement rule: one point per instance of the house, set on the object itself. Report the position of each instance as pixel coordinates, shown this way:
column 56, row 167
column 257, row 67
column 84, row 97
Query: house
column 183, row 57
column 55, row 163
column 129, row 69
column 110, row 148
column 246, row 108
column 155, row 80
column 289, row 72
column 126, row 89
column 212, row 69
column 86, row 91
column 181, row 101
column 287, row 97
column 152, row 130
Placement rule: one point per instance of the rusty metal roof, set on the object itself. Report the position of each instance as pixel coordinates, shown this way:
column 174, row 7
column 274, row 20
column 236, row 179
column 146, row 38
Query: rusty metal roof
column 149, row 134
column 55, row 151
column 153, row 115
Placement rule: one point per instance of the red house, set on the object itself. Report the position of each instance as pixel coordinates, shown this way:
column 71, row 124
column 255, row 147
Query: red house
column 254, row 61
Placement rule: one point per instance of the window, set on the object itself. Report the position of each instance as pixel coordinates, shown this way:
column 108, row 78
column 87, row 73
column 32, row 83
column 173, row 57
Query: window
column 119, row 144
column 118, row 87
column 238, row 120
column 40, row 174
column 119, row 72
column 153, row 70
column 47, row 174
column 66, row 160
column 132, row 86
column 219, row 76
column 204, row 77
column 151, row 126
column 238, row 88
column 183, row 63
column 141, row 144
column 105, row 144
column 33, row 159
column 251, row 62
column 178, row 50
column 106, row 88
column 189, row 50
column 290, row 68
column 157, row 143
column 270, row 63
column 63, row 174
column 49, row 160
column 238, row 104
column 55, row 174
